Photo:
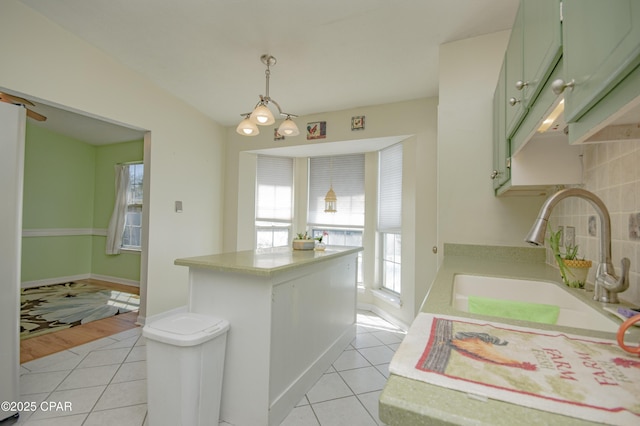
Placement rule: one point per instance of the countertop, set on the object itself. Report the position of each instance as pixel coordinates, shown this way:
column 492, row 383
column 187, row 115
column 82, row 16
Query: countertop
column 409, row 402
column 265, row 262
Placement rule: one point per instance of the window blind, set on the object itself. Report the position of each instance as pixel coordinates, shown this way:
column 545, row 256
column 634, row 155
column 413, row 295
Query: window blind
column 274, row 188
column 346, row 174
column 390, row 189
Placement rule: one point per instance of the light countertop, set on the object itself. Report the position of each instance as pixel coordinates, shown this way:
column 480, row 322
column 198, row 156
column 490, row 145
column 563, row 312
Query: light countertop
column 265, row 262
column 409, row 402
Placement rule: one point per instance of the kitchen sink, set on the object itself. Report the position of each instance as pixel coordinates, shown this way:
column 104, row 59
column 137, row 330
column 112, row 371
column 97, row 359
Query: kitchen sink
column 574, row 312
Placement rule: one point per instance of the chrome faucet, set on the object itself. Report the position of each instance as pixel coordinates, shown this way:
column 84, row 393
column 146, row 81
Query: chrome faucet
column 607, row 285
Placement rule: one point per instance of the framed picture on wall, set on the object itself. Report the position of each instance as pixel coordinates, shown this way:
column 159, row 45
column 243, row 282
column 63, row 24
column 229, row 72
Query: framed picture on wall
column 317, row 130
column 357, row 123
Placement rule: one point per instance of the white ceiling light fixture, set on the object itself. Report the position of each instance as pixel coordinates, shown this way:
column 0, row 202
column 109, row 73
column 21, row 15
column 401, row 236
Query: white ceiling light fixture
column 262, row 115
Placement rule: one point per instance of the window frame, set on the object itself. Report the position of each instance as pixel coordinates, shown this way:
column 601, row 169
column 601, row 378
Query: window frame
column 134, row 187
column 264, row 223
column 390, row 225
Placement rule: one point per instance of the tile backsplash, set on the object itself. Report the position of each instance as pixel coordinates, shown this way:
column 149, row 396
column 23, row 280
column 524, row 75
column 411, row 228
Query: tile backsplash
column 611, row 171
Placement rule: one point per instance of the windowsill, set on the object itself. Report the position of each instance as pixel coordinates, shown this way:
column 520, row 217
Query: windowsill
column 388, row 297
column 130, row 250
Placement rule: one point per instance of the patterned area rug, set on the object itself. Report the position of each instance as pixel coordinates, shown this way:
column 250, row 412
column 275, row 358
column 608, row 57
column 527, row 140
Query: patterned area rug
column 55, row 307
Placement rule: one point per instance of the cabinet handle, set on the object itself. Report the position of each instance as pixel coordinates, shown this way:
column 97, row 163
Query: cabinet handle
column 513, row 101
column 521, row 84
column 558, row 86
column 495, row 174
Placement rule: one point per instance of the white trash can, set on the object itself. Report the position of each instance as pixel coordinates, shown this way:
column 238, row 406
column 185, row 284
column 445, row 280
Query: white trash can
column 185, row 364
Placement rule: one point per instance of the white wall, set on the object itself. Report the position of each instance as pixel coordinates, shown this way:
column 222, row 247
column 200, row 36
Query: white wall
column 468, row 211
column 415, row 119
column 184, row 156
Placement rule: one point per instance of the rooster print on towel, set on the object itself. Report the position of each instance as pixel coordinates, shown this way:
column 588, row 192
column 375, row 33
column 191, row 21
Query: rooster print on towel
column 479, row 346
column 572, row 375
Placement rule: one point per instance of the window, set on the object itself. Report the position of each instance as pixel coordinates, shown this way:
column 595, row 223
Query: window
column 132, row 234
column 274, row 201
column 345, row 227
column 390, row 216
column 345, row 174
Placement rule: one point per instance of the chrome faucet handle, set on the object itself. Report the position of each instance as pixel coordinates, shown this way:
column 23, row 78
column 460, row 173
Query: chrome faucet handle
column 608, row 285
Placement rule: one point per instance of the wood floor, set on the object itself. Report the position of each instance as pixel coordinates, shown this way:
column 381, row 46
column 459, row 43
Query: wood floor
column 39, row 346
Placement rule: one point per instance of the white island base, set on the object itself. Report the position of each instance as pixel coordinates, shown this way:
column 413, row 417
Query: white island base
column 291, row 314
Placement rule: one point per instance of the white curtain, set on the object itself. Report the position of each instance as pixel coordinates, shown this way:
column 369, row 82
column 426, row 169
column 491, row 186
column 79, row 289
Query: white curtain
column 116, row 224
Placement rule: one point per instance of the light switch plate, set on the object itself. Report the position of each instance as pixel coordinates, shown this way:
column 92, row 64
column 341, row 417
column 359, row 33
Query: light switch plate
column 178, row 206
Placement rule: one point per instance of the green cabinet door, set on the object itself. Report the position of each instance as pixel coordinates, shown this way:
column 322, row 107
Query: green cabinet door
column 542, row 45
column 601, row 46
column 514, row 72
column 534, row 48
column 500, row 173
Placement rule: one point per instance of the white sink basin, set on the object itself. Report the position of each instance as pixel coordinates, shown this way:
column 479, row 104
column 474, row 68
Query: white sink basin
column 573, row 311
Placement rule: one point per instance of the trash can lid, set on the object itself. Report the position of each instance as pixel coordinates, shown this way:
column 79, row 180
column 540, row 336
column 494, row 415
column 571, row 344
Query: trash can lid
column 185, row 329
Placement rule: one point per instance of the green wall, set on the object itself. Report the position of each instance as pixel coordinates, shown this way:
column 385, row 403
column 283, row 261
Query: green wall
column 126, row 264
column 69, row 184
column 58, row 181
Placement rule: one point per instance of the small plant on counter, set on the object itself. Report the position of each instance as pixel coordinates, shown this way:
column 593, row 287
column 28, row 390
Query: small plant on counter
column 572, row 270
column 319, row 239
column 303, row 236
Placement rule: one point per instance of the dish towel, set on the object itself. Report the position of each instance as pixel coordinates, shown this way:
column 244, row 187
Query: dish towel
column 537, row 312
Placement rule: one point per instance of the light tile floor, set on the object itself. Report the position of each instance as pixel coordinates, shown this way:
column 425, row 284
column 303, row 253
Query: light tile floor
column 105, row 381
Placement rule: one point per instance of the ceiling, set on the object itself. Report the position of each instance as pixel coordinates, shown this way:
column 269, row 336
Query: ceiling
column 331, row 55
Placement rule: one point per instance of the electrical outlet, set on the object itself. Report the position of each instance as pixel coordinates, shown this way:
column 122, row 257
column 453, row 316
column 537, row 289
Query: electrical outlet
column 178, row 206
column 570, row 236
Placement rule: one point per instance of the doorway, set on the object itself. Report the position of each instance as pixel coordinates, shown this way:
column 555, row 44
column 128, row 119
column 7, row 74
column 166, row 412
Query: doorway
column 68, row 161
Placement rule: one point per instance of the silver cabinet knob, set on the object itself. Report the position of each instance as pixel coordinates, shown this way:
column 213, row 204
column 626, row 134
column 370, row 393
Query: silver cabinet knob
column 521, row 84
column 558, row 86
column 513, row 101
column 495, row 174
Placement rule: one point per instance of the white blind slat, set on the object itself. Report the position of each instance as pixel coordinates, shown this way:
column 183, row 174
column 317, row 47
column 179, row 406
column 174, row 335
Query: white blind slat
column 274, row 194
column 346, row 174
column 390, row 189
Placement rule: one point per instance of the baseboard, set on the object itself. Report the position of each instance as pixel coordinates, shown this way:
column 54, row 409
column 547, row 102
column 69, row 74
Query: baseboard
column 384, row 315
column 61, row 280
column 116, row 280
column 52, row 281
column 156, row 317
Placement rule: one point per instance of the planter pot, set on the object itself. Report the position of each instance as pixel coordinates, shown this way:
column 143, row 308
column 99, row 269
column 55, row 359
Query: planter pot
column 303, row 244
column 577, row 271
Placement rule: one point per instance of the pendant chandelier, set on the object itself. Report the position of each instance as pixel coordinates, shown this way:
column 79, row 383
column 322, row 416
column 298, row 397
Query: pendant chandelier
column 261, row 114
column 330, row 200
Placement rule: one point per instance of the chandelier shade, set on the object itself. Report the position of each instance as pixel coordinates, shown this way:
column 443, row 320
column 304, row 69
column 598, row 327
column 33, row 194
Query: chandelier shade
column 288, row 127
column 247, row 127
column 262, row 115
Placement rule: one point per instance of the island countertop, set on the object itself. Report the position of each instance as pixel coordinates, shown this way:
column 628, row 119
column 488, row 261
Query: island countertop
column 265, row 262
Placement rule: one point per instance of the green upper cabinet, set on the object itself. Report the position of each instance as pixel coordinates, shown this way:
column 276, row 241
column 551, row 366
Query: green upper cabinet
column 500, row 173
column 514, row 72
column 534, row 48
column 542, row 44
column 601, row 47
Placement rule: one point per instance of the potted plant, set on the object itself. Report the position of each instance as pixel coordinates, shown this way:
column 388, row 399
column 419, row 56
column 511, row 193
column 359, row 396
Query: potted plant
column 320, row 246
column 303, row 241
column 573, row 271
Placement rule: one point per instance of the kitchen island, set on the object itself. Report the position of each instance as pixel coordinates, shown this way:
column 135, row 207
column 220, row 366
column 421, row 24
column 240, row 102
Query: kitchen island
column 291, row 314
